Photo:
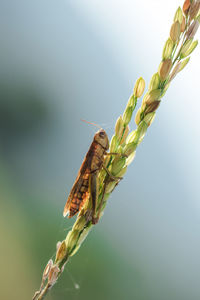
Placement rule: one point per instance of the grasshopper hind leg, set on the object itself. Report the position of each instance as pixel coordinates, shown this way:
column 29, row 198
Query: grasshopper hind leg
column 90, row 214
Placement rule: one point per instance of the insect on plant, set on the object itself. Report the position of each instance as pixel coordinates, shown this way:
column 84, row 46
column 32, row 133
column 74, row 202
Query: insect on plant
column 86, row 184
column 99, row 175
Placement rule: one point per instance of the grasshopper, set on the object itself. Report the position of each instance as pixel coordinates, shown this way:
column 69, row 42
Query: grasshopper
column 85, row 185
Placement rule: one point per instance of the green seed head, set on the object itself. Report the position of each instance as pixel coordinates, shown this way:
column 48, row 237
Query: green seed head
column 117, row 165
column 148, row 119
column 139, row 87
column 190, row 49
column 185, row 47
column 122, row 172
column 127, row 115
column 130, row 148
column 137, row 116
column 130, row 159
column 71, row 240
column 152, row 96
column 168, row 48
column 110, row 187
column 132, row 101
column 126, row 131
column 142, row 128
column 184, row 63
column 178, row 15
column 155, row 81
column 131, row 137
column 119, row 127
column 114, row 143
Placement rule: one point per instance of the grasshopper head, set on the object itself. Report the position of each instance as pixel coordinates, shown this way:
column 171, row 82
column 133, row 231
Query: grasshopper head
column 102, row 138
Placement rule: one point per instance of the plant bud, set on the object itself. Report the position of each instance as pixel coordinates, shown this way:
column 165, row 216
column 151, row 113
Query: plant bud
column 152, row 96
column 192, row 29
column 139, row 87
column 132, row 101
column 183, row 24
column 167, row 50
column 120, row 149
column 83, row 235
column 186, row 7
column 190, row 49
column 155, row 81
column 117, row 165
column 125, row 135
column 113, row 143
column 71, row 240
column 131, row 137
column 61, row 252
column 184, row 63
column 164, row 69
column 194, row 9
column 185, row 47
column 119, row 127
column 178, row 15
column 130, row 148
column 148, row 119
column 175, row 31
column 80, row 224
column 142, row 128
column 127, row 115
column 152, row 107
column 130, row 158
column 137, row 117
column 122, row 172
column 110, row 187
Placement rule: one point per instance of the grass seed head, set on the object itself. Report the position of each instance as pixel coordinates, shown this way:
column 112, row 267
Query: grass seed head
column 175, row 31
column 168, row 48
column 127, row 115
column 155, row 81
column 137, row 117
column 165, row 68
column 119, row 127
column 178, row 15
column 139, row 88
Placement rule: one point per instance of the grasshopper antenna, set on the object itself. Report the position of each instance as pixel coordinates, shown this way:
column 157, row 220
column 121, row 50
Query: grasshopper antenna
column 91, row 123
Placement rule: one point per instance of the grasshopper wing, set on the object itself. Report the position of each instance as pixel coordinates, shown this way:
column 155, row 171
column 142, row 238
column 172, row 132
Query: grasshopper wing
column 78, row 195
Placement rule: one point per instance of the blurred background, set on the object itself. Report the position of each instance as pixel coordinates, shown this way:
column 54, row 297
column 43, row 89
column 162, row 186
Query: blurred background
column 62, row 61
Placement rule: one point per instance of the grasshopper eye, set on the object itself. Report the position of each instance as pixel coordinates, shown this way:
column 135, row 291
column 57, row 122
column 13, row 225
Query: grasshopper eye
column 102, row 134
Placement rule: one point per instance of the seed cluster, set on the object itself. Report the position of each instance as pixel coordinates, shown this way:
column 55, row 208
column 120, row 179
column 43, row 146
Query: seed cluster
column 175, row 57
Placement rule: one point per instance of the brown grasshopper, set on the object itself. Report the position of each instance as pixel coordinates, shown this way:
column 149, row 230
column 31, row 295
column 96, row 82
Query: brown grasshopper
column 85, row 185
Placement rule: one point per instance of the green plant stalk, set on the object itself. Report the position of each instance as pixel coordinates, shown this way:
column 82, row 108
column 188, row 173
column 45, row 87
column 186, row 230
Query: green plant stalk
column 125, row 144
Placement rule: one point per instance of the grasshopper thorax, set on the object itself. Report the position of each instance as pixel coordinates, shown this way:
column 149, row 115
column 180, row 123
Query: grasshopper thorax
column 102, row 139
